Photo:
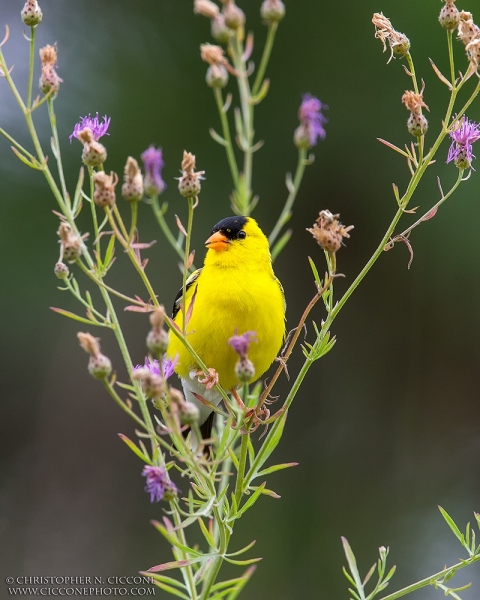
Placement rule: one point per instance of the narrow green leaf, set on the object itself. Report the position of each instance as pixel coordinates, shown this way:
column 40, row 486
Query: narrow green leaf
column 244, row 580
column 206, row 534
column 275, row 468
column 176, row 564
column 70, row 315
column 241, row 563
column 348, row 576
column 217, row 138
column 171, row 590
column 174, row 541
column 251, row 451
column 246, row 549
column 350, row 556
column 135, row 449
column 315, row 272
column 369, row 574
column 37, row 166
column 281, row 243
column 109, row 252
column 270, row 444
column 164, row 579
column 451, row 523
column 250, row 502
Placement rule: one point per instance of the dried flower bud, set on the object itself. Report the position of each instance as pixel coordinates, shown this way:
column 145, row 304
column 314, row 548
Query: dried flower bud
column 417, row 124
column 189, row 183
column 157, row 340
column 384, row 31
column 206, row 8
column 188, row 413
column 70, row 243
column 217, row 76
column 132, row 188
column 467, row 29
column 473, row 51
column 94, row 153
column 234, row 16
column 245, row 370
column 220, row 32
column 329, row 232
column 104, row 194
column 449, row 16
column 157, row 317
column 211, row 54
column 176, row 396
column 414, row 102
column 153, row 385
column 31, row 13
column 61, row 270
column 49, row 79
column 272, row 11
column 99, row 365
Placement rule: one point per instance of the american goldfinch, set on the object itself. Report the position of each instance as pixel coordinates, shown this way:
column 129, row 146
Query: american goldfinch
column 235, row 292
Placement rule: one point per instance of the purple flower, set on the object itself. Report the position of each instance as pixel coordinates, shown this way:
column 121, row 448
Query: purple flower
column 241, row 343
column 99, row 129
column 463, row 137
column 153, row 163
column 158, row 484
column 312, row 119
column 168, row 366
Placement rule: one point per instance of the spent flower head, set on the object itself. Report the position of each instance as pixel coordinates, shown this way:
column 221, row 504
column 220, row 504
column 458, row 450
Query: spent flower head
column 467, row 30
column 97, row 127
column 329, row 232
column 159, row 485
column 104, row 192
column 217, row 74
column 99, row 365
column 70, row 243
column 132, row 188
column 49, row 79
column 417, row 124
column 189, row 183
column 153, row 164
column 384, row 31
column 312, row 122
column 463, row 136
column 207, row 8
column 234, row 16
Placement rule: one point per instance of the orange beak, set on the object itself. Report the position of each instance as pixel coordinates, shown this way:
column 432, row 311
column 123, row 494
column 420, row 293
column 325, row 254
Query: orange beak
column 217, row 241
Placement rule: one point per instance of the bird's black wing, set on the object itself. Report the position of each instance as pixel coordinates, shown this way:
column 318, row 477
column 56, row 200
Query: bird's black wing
column 178, row 298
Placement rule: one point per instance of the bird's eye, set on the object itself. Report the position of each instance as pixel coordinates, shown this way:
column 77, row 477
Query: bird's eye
column 241, row 235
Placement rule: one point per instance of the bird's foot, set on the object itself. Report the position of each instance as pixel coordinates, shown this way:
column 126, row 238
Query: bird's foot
column 209, row 381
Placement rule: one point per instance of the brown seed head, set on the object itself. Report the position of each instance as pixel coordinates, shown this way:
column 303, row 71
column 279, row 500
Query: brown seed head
column 414, row 102
column 329, row 232
column 89, row 343
column 176, row 396
column 70, row 243
column 213, row 55
column 189, row 183
column 206, row 8
column 467, row 30
column 48, row 55
column 104, row 193
column 473, row 51
column 132, row 188
column 384, row 31
column 188, row 162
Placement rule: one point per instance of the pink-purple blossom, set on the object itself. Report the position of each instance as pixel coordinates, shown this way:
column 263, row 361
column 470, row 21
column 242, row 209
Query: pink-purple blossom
column 153, row 164
column 157, row 482
column 168, row 366
column 98, row 128
column 463, row 137
column 241, row 343
column 312, row 119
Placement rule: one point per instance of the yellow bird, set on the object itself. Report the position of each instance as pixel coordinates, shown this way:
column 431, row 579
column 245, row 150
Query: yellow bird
column 235, row 292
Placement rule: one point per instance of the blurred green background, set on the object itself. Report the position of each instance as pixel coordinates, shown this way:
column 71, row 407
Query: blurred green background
column 386, row 427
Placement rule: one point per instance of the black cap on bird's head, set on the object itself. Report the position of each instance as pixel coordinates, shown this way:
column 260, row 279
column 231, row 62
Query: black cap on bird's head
column 225, row 231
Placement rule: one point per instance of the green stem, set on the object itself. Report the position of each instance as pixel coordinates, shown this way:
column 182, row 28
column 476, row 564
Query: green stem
column 267, row 51
column 58, row 155
column 100, row 283
column 239, row 488
column 411, row 68
column 191, row 204
column 232, row 162
column 31, row 67
column 451, row 57
column 133, row 225
column 159, row 215
column 111, row 390
column 431, row 580
column 286, row 212
column 93, row 209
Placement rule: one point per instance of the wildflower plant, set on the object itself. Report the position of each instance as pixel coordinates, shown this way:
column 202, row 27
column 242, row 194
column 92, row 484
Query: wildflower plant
column 218, row 480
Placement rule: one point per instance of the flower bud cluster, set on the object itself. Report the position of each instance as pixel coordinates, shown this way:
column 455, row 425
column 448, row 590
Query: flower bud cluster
column 329, row 232
column 189, row 183
column 221, row 32
column 217, row 74
column 384, row 31
column 49, row 79
column 31, row 13
column 99, row 365
column 244, row 369
column 104, row 192
column 157, row 338
column 132, row 188
column 417, row 124
column 469, row 34
column 449, row 16
column 70, row 243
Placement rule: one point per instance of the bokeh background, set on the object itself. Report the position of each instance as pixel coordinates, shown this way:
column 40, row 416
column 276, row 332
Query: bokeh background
column 386, row 427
